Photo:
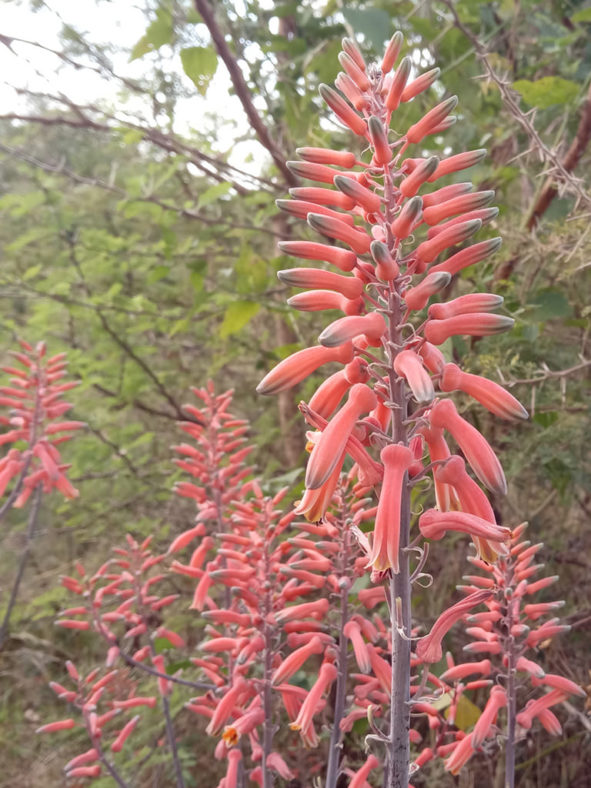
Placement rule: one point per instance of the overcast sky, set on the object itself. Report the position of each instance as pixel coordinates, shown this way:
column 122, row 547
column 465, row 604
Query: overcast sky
column 121, row 24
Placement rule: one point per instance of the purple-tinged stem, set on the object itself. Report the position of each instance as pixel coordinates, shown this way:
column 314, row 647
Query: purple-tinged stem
column 267, row 668
column 511, row 687
column 110, row 767
column 400, row 587
column 332, row 771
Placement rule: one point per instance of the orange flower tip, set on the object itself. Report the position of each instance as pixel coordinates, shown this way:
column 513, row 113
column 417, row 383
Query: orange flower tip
column 350, row 48
column 392, row 51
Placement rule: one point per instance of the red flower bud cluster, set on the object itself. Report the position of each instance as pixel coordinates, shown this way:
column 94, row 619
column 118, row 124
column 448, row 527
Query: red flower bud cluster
column 34, row 397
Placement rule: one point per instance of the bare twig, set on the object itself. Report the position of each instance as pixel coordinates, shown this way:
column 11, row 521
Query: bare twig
column 31, row 528
column 547, row 374
column 242, row 91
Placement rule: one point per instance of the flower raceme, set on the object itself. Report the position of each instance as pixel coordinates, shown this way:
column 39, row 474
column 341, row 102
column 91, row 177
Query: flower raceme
column 506, row 632
column 34, row 397
column 374, row 207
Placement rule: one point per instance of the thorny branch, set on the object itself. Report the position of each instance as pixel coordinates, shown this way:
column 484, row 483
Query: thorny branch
column 525, row 120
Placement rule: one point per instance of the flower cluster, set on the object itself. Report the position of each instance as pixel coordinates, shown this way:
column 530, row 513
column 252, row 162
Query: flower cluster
column 506, row 636
column 34, row 397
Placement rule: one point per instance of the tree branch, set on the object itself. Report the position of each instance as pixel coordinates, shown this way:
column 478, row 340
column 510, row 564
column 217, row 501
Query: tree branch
column 561, row 173
column 569, row 162
column 242, row 90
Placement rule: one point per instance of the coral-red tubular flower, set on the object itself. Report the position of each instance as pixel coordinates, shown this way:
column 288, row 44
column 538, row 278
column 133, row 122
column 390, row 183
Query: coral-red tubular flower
column 466, row 257
column 296, row 659
column 472, row 302
column 225, row 706
column 413, row 182
column 368, row 200
column 340, row 158
column 496, row 701
column 358, row 240
column 420, row 84
column 474, row 324
column 461, row 204
column 428, row 648
column 393, row 48
column 417, row 297
column 359, row 779
column 293, row 369
column 431, row 121
column 460, row 756
column 408, row 218
column 350, row 287
column 438, row 450
column 326, row 676
column 344, row 259
column 319, row 300
column 343, row 111
column 386, row 536
column 494, row 397
column 472, row 499
column 461, row 161
column 331, row 444
column 398, row 84
column 409, row 366
column 477, row 451
column 434, row 525
column 430, row 249
column 372, row 325
column 353, row 632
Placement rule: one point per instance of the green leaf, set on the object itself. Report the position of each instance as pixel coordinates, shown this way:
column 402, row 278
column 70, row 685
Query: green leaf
column 374, row 23
column 549, row 304
column 584, row 15
column 157, row 274
column 213, row 194
column 159, row 32
column 237, row 315
column 547, row 92
column 32, row 272
column 467, row 713
column 199, row 64
column 546, row 419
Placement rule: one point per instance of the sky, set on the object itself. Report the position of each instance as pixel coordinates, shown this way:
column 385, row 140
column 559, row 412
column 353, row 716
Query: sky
column 120, row 23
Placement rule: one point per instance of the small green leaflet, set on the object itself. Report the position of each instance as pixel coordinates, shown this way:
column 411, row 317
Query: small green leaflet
column 547, row 92
column 237, row 315
column 199, row 64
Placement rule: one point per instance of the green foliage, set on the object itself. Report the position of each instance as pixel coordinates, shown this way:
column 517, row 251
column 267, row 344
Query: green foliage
column 547, row 91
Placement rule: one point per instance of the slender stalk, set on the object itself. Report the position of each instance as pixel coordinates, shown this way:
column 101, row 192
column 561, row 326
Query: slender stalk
column 110, row 767
column 165, row 702
column 397, row 774
column 180, row 781
column 511, row 689
column 31, row 528
column 268, row 669
column 332, row 771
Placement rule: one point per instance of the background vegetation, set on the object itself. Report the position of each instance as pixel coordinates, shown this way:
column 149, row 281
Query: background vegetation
column 135, row 237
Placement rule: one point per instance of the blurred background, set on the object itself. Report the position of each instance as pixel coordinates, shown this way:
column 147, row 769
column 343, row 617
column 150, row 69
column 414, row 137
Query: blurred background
column 141, row 154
